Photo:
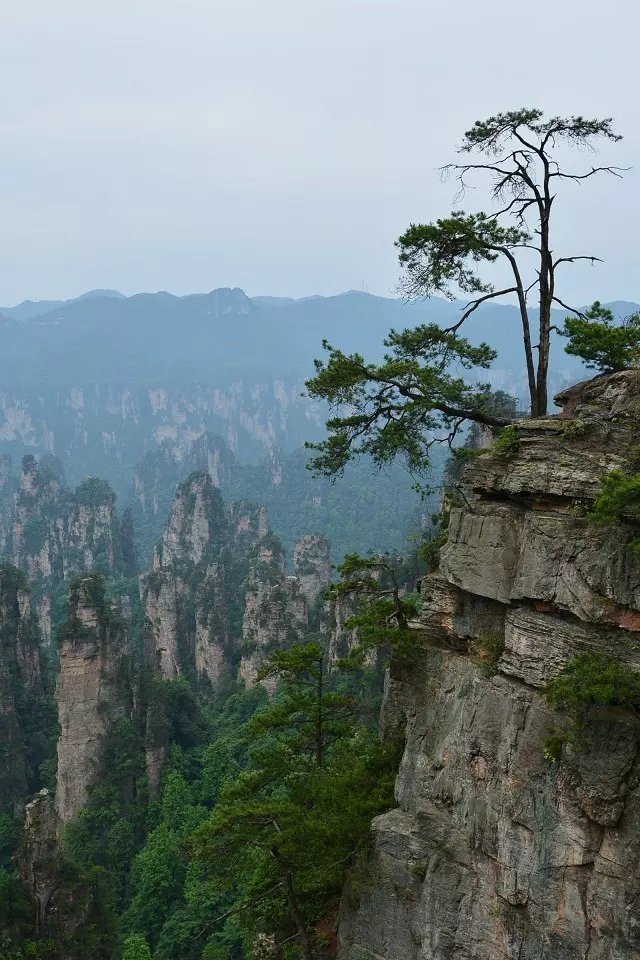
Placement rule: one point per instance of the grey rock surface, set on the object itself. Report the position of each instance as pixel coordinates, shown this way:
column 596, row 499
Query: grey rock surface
column 494, row 851
column 93, row 693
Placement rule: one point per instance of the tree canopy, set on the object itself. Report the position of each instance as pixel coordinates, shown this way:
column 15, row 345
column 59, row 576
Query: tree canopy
column 600, row 342
column 285, row 830
column 382, row 609
column 404, row 405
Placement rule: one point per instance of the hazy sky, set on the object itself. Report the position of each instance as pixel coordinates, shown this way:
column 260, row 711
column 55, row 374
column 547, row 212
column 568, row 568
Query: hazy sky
column 282, row 145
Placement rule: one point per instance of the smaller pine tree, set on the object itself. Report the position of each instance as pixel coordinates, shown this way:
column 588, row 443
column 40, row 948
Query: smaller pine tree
column 600, row 342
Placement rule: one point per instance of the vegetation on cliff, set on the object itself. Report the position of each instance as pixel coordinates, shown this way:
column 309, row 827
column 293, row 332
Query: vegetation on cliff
column 412, row 401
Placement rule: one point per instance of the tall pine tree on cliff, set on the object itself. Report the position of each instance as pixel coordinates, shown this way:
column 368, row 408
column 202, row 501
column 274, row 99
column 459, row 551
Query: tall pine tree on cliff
column 411, row 400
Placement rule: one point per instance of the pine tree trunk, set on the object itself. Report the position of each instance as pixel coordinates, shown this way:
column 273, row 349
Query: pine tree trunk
column 294, row 910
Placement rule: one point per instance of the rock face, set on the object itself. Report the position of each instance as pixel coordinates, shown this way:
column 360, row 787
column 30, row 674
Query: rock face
column 20, row 688
column 57, row 533
column 312, row 566
column 218, row 599
column 494, row 851
column 37, row 856
column 91, row 530
column 63, row 906
column 38, row 519
column 341, row 639
column 7, row 492
column 276, row 612
column 93, row 692
column 186, row 567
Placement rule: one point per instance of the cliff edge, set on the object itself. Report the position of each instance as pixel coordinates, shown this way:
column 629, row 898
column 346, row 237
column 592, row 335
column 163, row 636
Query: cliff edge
column 494, row 850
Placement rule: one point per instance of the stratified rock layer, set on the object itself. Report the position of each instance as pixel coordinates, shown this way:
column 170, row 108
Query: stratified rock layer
column 93, row 692
column 494, row 851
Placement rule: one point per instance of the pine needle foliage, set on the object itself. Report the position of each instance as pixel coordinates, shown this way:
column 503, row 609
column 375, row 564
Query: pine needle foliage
column 285, row 831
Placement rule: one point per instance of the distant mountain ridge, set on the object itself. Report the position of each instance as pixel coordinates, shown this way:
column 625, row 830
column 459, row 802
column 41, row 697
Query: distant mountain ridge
column 102, row 379
column 150, row 338
column 29, row 309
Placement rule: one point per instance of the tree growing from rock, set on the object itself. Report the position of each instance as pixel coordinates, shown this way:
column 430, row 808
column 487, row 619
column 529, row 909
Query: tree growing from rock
column 412, row 399
column 383, row 608
column 521, row 153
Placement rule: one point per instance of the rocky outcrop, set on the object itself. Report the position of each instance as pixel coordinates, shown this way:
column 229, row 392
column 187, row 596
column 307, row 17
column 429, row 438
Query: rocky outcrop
column 312, row 566
column 94, row 692
column 276, row 612
column 189, row 555
column 20, row 690
column 57, row 533
column 342, row 640
column 248, row 525
column 67, row 906
column 91, row 529
column 495, row 851
column 192, row 597
column 36, row 861
column 39, row 510
column 218, row 599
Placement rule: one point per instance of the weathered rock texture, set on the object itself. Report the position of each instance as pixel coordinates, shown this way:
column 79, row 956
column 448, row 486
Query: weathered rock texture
column 494, row 852
column 276, row 612
column 186, row 567
column 57, row 534
column 312, row 566
column 218, row 599
column 93, row 693
column 20, row 689
column 341, row 640
column 64, row 903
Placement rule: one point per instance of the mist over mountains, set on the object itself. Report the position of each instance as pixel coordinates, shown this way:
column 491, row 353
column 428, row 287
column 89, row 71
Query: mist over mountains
column 105, row 381
column 150, row 339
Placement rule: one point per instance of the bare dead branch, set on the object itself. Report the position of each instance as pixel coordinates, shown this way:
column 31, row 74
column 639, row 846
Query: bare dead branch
column 573, row 260
column 474, row 304
column 614, row 171
column 567, row 307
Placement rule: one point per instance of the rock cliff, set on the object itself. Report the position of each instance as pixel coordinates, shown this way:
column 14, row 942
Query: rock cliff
column 495, row 851
column 186, row 565
column 276, row 613
column 94, row 692
column 20, row 689
column 312, row 566
column 218, row 598
column 8, row 486
column 58, row 533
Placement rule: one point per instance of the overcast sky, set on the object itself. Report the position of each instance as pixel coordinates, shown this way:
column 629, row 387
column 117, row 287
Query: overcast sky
column 282, row 145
